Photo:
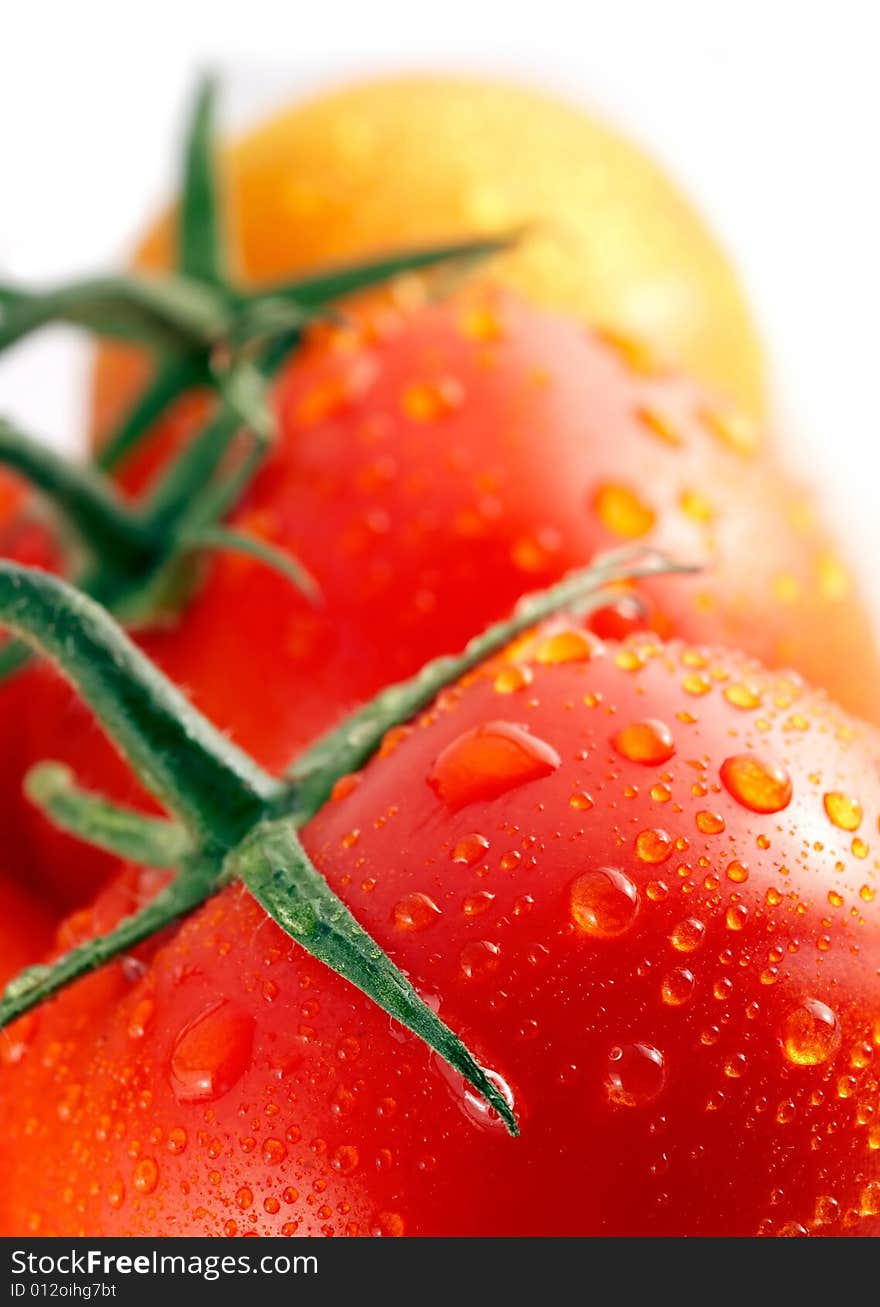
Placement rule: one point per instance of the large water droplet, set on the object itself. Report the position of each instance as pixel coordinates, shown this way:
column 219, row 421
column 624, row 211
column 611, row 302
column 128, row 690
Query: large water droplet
column 648, row 742
column 843, row 810
column 488, row 761
column 810, row 1033
column 415, row 912
column 757, row 782
column 622, row 512
column 211, row 1053
column 634, row 1075
column 604, row 902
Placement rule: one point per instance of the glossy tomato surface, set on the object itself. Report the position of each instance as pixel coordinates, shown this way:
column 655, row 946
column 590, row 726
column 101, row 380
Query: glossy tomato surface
column 408, row 161
column 435, row 462
column 638, row 880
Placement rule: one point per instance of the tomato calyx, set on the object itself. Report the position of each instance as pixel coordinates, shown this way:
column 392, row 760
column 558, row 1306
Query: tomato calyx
column 229, row 818
column 205, row 333
column 203, row 329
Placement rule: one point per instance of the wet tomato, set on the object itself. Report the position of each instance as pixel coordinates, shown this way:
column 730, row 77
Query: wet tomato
column 640, row 881
column 435, row 461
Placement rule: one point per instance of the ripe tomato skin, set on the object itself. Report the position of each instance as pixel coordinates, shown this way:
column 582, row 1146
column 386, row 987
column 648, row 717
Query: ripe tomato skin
column 680, row 991
column 26, row 928
column 415, row 160
column 435, row 462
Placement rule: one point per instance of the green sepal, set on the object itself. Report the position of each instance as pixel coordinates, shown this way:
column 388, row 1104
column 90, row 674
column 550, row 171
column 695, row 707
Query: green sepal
column 130, row 835
column 200, row 233
column 223, row 538
column 36, row 984
column 276, row 869
column 186, row 763
column 168, row 313
column 173, row 378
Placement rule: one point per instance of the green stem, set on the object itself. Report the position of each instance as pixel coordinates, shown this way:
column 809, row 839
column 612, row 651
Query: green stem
column 191, row 768
column 89, row 502
column 349, row 746
column 150, row 841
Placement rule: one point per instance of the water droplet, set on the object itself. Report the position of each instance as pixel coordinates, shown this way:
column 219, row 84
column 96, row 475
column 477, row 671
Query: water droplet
column 177, row 1140
column 810, row 1033
column 428, row 401
column 743, row 696
column 345, row 1159
column 736, row 916
column 479, row 959
column 141, row 1016
column 211, row 1053
column 678, row 986
column 647, row 742
column 622, row 512
column 697, row 684
column 489, row 760
column 738, row 872
column 414, row 912
column 843, row 810
column 146, row 1176
column 756, row 782
column 116, row 1192
column 568, row 646
column 688, row 935
column 471, row 850
column 474, row 904
column 869, row 1199
column 653, row 845
column 635, row 1075
column 710, row 823
column 604, row 902
column 513, row 678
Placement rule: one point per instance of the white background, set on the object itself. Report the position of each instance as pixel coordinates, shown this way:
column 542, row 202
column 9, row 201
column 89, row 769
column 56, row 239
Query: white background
column 768, row 113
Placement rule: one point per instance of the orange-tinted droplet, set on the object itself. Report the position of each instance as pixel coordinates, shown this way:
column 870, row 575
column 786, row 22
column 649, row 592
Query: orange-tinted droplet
column 512, row 679
column 488, row 761
column 471, row 850
column 649, row 742
column 414, row 912
column 568, row 646
column 428, row 401
column 622, row 512
column 688, row 935
column 757, row 782
column 677, row 987
column 743, row 695
column 810, row 1033
column 634, row 1075
column 211, row 1053
column 653, row 845
column 146, row 1176
column 603, row 902
column 843, row 810
column 479, row 958
column 710, row 823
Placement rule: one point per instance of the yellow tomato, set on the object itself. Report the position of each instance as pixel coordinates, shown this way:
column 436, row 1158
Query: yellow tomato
column 409, row 160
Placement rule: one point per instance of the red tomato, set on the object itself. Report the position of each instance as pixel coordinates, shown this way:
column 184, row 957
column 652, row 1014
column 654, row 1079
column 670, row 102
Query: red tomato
column 435, row 461
column 26, row 927
column 638, row 880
